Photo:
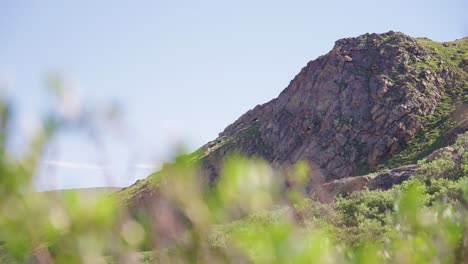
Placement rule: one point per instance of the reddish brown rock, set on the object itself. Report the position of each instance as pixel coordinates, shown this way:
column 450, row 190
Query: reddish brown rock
column 351, row 108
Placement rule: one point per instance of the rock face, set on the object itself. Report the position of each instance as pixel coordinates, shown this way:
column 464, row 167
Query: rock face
column 349, row 109
column 344, row 113
column 383, row 181
column 327, row 192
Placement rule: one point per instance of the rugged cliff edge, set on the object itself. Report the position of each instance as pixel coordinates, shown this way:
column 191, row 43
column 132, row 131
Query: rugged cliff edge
column 375, row 100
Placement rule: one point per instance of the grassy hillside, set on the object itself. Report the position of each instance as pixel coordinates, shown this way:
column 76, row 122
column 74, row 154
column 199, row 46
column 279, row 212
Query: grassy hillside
column 86, row 191
column 420, row 221
column 366, row 215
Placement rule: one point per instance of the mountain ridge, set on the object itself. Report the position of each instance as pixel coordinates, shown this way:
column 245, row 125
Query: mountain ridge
column 401, row 79
column 360, row 106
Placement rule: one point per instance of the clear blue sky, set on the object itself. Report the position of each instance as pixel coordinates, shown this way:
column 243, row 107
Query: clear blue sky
column 182, row 70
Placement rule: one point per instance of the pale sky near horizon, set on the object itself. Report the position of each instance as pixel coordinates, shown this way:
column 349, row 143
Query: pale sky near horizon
column 181, row 70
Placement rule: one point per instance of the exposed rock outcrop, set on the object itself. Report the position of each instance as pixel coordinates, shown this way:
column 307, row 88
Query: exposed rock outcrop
column 382, row 181
column 386, row 180
column 347, row 110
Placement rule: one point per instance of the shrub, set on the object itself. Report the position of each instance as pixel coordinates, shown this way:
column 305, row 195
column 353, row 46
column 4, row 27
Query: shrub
column 443, row 167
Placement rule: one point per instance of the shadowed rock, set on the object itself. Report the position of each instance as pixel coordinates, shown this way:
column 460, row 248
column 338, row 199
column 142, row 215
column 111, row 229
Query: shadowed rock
column 386, row 180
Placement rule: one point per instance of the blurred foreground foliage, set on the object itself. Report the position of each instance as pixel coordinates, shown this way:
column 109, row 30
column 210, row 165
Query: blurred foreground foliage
column 249, row 216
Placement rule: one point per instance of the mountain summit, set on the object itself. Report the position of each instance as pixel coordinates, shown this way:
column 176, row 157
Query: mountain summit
column 353, row 108
column 374, row 100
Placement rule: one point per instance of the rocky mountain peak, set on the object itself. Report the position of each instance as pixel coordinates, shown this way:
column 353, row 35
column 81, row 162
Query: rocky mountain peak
column 352, row 108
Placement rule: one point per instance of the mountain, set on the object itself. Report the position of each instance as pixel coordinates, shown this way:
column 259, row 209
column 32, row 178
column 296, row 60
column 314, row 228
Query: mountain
column 353, row 108
column 374, row 101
